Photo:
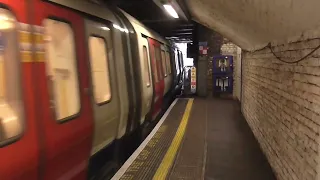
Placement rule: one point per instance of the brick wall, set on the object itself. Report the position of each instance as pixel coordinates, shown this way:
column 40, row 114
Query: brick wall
column 237, row 75
column 281, row 103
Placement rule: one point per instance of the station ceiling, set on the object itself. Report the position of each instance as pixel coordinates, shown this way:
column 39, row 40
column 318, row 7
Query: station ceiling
column 251, row 24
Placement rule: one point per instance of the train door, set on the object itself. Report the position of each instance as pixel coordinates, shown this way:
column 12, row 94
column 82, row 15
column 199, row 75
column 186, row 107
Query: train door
column 19, row 149
column 178, row 67
column 155, row 54
column 121, row 77
column 63, row 85
column 165, row 71
column 146, row 85
column 169, row 67
column 132, row 73
column 105, row 100
column 181, row 63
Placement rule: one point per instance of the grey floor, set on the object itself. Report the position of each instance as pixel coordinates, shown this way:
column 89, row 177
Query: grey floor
column 232, row 151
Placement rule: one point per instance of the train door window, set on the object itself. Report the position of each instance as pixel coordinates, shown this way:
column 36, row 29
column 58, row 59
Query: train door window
column 177, row 62
column 155, row 70
column 146, row 65
column 163, row 60
column 168, row 62
column 181, row 60
column 99, row 69
column 11, row 103
column 158, row 60
column 61, row 69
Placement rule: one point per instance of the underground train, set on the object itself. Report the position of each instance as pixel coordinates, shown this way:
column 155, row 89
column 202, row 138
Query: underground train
column 78, row 82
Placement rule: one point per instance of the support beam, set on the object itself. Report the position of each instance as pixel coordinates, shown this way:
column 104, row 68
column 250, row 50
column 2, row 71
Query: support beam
column 181, row 33
column 183, row 30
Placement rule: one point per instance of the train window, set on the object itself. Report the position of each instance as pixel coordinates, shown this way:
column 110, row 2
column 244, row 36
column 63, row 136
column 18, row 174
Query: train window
column 146, row 65
column 163, row 60
column 62, row 74
column 168, row 62
column 11, row 103
column 181, row 60
column 99, row 69
column 155, row 70
column 177, row 62
column 158, row 60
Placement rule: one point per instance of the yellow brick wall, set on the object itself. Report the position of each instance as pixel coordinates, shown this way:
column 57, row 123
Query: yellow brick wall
column 281, row 103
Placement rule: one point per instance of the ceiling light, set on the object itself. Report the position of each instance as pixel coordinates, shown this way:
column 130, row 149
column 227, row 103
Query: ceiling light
column 105, row 28
column 170, row 10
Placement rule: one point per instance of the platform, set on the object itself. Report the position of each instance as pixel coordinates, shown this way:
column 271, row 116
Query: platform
column 199, row 139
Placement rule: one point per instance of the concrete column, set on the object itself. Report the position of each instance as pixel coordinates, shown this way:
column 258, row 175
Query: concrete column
column 202, row 82
column 202, row 62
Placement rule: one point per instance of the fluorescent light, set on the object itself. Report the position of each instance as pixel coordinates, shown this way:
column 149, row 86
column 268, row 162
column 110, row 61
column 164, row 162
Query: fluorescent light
column 171, row 37
column 170, row 10
column 105, row 28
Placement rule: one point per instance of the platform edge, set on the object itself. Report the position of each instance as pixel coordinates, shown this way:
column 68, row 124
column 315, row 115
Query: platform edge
column 136, row 153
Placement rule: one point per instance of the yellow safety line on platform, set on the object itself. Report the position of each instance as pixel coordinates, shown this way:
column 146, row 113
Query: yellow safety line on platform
column 168, row 159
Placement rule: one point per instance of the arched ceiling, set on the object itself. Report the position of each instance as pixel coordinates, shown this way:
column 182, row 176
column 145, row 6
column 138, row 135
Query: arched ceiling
column 252, row 24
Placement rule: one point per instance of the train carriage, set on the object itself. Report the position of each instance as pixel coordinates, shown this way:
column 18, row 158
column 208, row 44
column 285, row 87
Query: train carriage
column 76, row 79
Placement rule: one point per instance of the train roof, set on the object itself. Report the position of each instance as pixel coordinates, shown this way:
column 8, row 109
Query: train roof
column 140, row 28
column 89, row 7
column 102, row 11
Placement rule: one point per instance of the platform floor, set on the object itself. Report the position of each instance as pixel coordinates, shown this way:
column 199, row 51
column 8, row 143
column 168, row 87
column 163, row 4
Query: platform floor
column 199, row 139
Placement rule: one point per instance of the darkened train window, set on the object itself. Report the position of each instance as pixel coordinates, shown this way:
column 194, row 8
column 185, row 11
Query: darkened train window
column 168, row 62
column 158, row 60
column 181, row 60
column 61, row 69
column 177, row 62
column 11, row 103
column 99, row 69
column 155, row 69
column 146, row 65
column 163, row 60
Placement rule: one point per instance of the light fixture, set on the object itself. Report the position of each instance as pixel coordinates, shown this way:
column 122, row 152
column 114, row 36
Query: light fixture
column 105, row 28
column 170, row 10
column 171, row 37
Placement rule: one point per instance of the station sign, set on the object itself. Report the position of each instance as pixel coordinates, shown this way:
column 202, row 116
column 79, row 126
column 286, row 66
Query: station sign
column 193, row 80
column 203, row 48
